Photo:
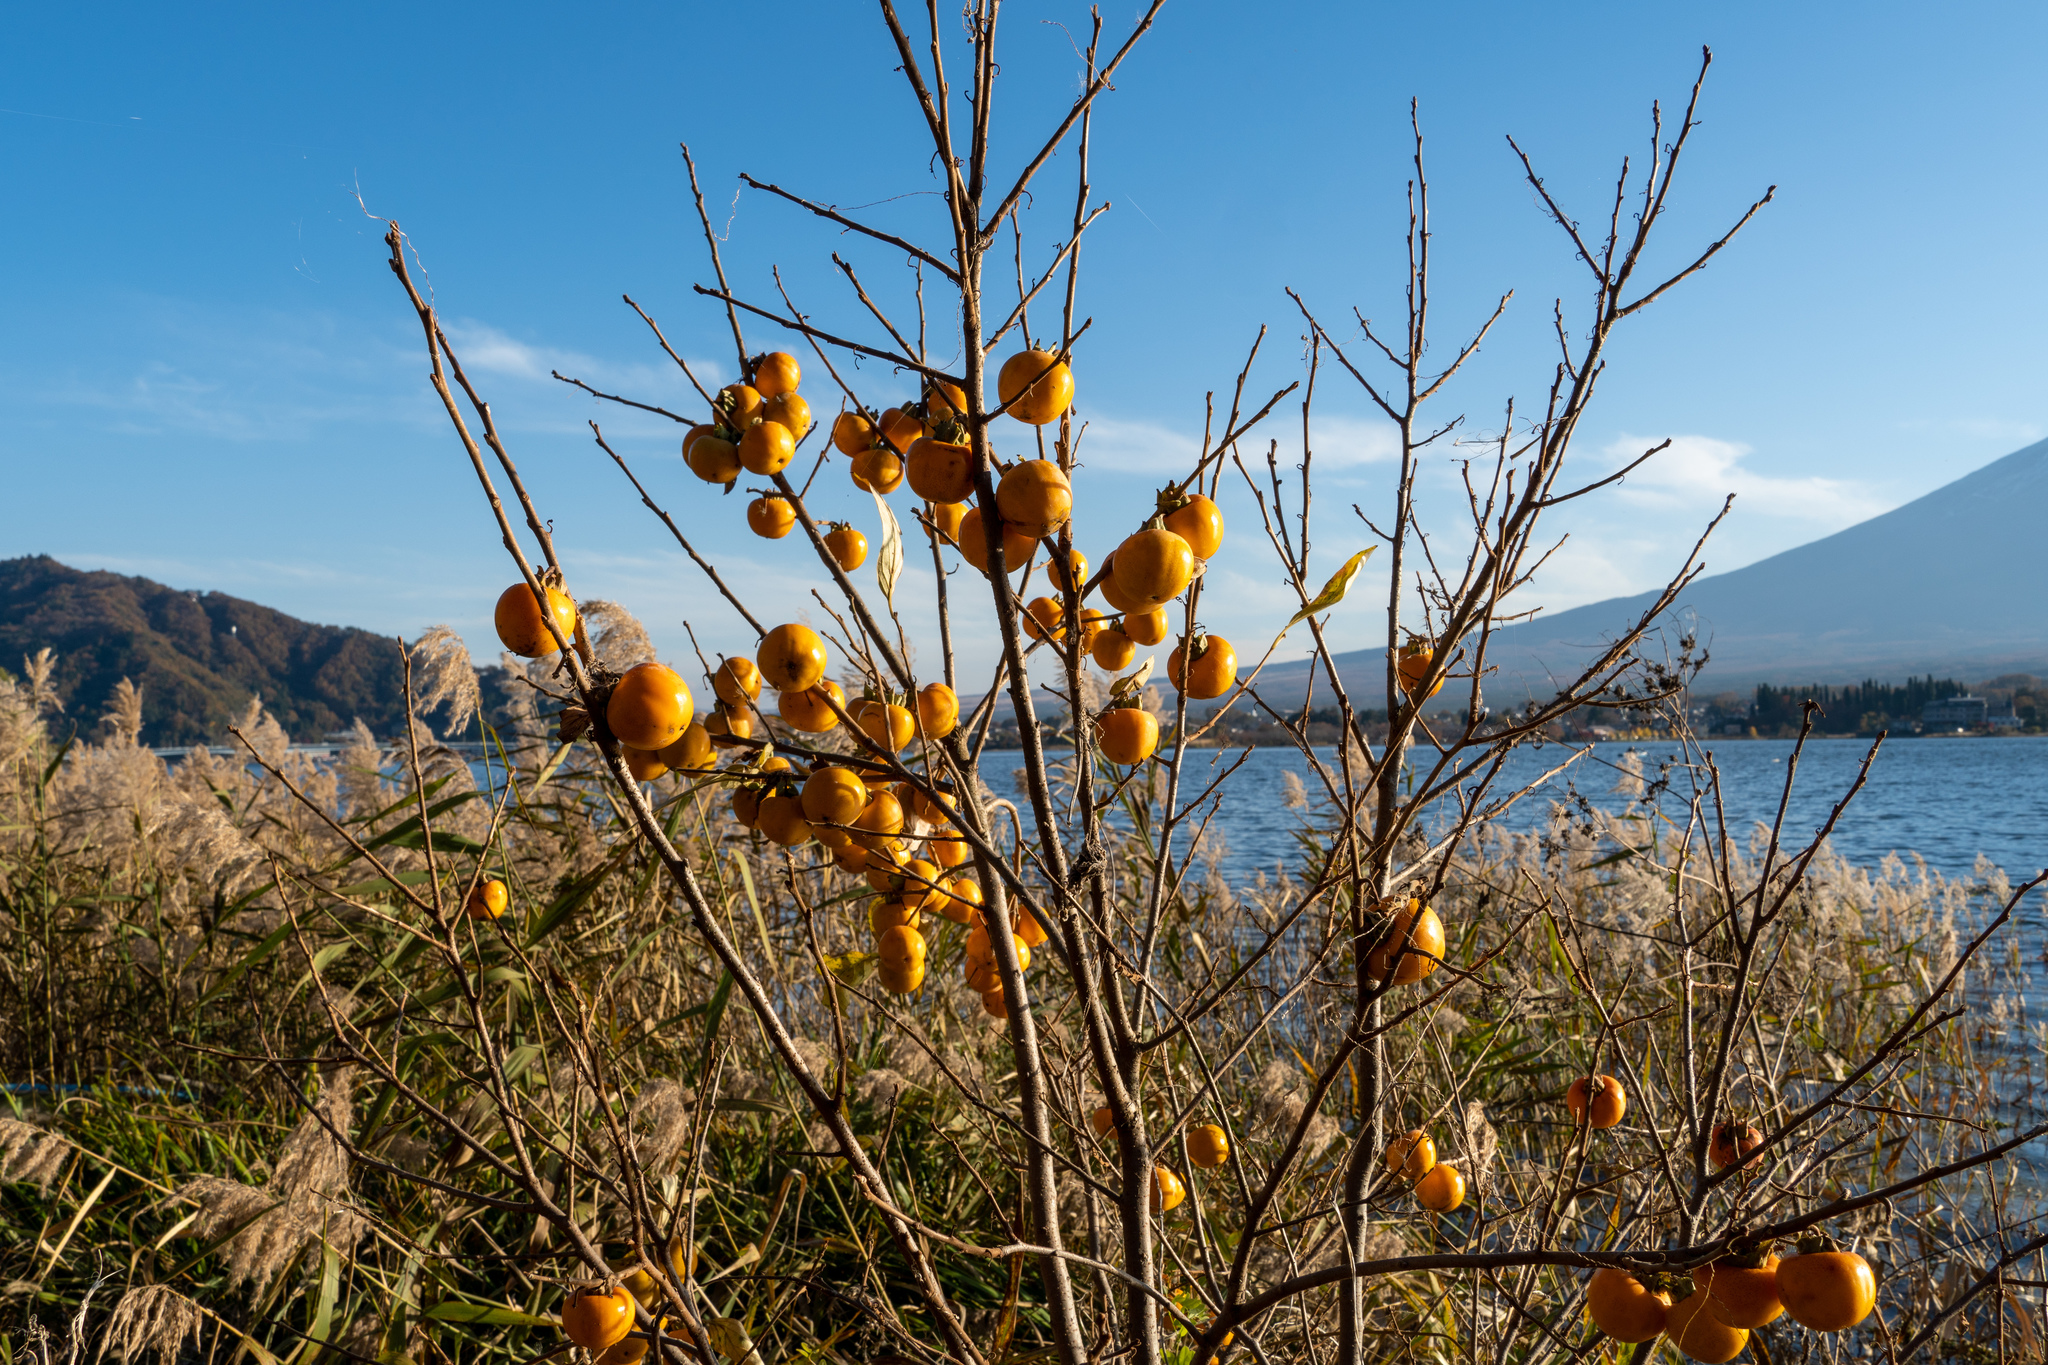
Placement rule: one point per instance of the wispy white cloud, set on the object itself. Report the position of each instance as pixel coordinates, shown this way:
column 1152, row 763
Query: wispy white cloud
column 1340, row 443
column 490, row 350
column 1698, row 471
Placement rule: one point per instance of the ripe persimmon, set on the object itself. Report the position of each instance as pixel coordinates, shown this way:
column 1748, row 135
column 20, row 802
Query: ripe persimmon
column 644, row 766
column 1731, row 1143
column 777, row 372
column 877, row 470
column 746, row 806
column 792, row 411
column 1035, row 497
column 1196, row 520
column 1070, row 576
column 1411, row 947
column 886, row 912
column 1412, row 1155
column 973, row 541
column 1145, row 627
column 1203, row 666
column 834, row 796
column 848, row 546
column 884, row 874
column 963, row 899
column 771, row 517
column 1152, row 567
column 946, row 518
column 1115, row 596
column 1624, row 1307
column 791, row 658
column 520, row 627
column 713, row 458
column 1041, row 619
column 901, row 428
column 1093, row 623
column 1127, row 735
column 724, row 725
column 1441, row 1189
column 1598, row 1100
column 1167, row 1190
column 938, row 711
column 901, row 946
column 632, row 1350
column 737, row 681
column 1826, row 1290
column 782, row 819
column 767, row 448
column 739, row 405
column 691, row 753
column 978, row 946
column 1413, row 664
column 1113, row 650
column 1208, row 1146
column 597, row 1316
column 880, row 822
column 811, row 709
column 922, row 889
column 948, row 850
column 993, row 1004
column 900, row 980
column 1035, row 386
column 650, row 707
column 940, row 471
column 1744, row 1295
column 852, row 433
column 887, row 724
column 487, row 900
column 944, row 401
column 1695, row 1330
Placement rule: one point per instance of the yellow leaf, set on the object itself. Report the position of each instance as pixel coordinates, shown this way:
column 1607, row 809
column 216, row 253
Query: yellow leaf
column 1333, row 591
column 841, row 964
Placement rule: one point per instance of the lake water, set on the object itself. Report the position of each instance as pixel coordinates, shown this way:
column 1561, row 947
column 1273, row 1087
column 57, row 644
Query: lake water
column 1946, row 799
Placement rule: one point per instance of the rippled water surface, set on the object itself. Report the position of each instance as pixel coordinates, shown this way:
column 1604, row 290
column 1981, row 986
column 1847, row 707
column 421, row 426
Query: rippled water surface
column 1948, row 800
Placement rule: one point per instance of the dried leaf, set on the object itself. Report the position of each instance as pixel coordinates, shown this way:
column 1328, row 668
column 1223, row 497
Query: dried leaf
column 889, row 560
column 1132, row 684
column 1333, row 591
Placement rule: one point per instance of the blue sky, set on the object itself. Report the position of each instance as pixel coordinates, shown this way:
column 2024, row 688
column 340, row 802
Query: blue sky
column 209, row 377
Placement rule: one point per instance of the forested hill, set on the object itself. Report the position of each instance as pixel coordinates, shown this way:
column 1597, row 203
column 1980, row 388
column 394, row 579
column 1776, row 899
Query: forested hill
column 198, row 657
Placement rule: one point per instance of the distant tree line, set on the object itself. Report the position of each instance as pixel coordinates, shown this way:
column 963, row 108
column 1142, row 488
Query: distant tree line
column 1867, row 707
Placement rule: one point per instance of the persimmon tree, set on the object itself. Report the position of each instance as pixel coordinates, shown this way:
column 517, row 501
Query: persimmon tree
column 1172, row 1198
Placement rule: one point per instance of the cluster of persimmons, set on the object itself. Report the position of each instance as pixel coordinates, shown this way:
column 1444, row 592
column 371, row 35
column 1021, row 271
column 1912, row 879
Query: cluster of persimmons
column 908, row 845
column 902, row 840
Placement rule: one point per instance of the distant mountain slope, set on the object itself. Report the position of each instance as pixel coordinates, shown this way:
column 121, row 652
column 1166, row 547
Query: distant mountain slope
column 198, row 657
column 1950, row 584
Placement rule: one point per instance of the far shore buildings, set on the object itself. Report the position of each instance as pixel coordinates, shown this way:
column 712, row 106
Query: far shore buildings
column 1965, row 712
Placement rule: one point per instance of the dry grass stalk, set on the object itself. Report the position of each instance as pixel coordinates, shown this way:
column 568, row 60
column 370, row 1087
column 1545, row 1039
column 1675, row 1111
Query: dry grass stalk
column 152, row 1317
column 31, row 1154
